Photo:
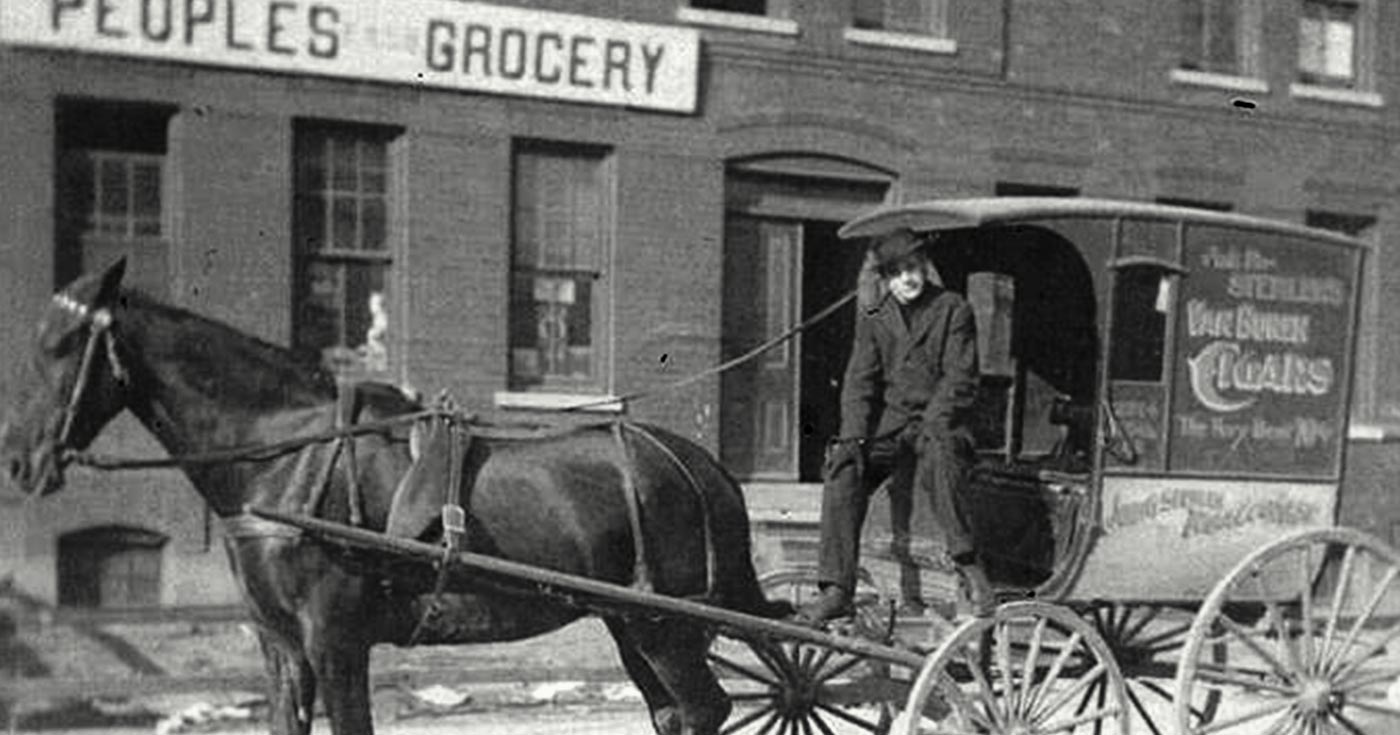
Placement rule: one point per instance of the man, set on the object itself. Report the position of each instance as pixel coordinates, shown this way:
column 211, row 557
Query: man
column 909, row 385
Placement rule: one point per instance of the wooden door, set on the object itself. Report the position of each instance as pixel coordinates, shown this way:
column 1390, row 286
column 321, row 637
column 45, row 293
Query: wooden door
column 759, row 398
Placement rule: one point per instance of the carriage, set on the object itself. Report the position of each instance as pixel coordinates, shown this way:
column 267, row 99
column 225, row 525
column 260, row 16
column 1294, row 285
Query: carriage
column 1161, row 430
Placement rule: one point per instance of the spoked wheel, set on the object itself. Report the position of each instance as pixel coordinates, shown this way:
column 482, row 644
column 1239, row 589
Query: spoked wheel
column 1031, row 668
column 1146, row 640
column 782, row 687
column 1308, row 646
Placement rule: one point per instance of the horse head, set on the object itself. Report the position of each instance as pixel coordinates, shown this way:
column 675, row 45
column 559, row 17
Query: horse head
column 76, row 383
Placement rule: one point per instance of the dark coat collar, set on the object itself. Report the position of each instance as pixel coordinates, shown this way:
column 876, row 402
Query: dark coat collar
column 921, row 315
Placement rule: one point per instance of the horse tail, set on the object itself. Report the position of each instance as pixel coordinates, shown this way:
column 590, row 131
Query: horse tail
column 734, row 581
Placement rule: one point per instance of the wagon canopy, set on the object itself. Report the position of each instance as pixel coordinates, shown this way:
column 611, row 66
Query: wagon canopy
column 952, row 214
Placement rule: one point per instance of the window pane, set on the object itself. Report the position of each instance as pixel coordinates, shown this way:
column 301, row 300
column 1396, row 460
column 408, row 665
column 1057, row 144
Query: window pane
column 113, row 186
column 373, row 222
column 342, row 156
column 1340, row 42
column 146, row 227
column 913, row 16
column 1141, row 300
column 344, row 218
column 146, row 190
column 1210, row 35
column 310, row 223
column 311, row 158
column 1311, row 45
column 319, row 323
column 1221, row 35
column 364, row 287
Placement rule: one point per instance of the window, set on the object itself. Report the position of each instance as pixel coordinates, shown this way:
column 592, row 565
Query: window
column 110, row 190
column 342, row 225
column 918, row 17
column 1141, row 302
column 747, row 7
column 1196, row 204
column 1134, row 410
column 562, row 242
column 1210, row 32
column 109, row 567
column 1013, row 189
column 1327, row 43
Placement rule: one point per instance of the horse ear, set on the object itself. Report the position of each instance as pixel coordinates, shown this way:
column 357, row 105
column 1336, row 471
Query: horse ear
column 111, row 282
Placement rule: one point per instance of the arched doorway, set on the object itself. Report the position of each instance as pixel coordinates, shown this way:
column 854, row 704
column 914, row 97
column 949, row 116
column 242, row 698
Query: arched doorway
column 782, row 264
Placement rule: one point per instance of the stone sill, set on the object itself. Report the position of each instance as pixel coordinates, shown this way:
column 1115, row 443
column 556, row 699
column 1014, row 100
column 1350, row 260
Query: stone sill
column 1220, row 81
column 1339, row 96
column 905, row 41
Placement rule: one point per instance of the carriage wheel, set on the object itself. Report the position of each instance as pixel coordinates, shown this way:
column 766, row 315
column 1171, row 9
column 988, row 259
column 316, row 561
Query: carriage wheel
column 1147, row 640
column 1308, row 647
column 1030, row 668
column 785, row 687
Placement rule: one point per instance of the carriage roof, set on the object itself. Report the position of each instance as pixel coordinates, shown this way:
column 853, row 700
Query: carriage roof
column 955, row 214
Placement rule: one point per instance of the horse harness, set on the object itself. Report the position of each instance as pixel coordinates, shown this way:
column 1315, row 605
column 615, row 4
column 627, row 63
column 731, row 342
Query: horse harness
column 454, row 499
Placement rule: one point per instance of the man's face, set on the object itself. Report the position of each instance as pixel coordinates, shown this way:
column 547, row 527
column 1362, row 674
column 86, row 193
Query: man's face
column 907, row 277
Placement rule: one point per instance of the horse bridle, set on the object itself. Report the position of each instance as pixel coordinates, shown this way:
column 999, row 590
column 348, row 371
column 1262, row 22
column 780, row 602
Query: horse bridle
column 99, row 323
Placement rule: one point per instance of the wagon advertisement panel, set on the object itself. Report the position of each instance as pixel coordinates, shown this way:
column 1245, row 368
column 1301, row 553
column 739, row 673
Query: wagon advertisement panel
column 435, row 43
column 1262, row 367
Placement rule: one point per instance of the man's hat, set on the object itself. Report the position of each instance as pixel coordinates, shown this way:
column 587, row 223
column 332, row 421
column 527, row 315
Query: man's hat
column 892, row 247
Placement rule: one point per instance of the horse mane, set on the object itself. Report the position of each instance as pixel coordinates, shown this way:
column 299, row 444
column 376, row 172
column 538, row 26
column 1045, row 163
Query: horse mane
column 237, row 366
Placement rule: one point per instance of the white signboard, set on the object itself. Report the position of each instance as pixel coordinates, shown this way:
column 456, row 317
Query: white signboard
column 1175, row 537
column 437, row 43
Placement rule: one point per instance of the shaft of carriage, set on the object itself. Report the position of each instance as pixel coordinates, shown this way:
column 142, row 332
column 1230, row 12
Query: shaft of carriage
column 595, row 593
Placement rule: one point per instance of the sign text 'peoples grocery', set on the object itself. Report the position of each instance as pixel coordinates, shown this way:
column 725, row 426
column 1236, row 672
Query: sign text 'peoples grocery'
column 439, row 43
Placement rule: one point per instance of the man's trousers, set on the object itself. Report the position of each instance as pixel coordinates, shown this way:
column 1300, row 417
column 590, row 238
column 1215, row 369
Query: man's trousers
column 854, row 470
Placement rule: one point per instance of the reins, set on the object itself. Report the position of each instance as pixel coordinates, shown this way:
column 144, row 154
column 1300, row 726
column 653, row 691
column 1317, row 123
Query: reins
column 272, row 450
column 252, row 453
column 722, row 367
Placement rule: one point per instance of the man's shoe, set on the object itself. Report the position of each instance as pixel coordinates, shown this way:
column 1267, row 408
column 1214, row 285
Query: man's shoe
column 833, row 602
column 980, row 596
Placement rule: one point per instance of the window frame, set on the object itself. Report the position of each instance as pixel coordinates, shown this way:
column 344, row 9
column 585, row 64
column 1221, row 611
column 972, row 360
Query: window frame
column 1351, row 81
column 937, row 38
column 348, row 361
column 89, row 132
column 1246, row 74
column 556, row 390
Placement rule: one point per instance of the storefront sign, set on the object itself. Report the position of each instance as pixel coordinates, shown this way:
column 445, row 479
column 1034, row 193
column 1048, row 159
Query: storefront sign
column 1263, row 334
column 436, row 43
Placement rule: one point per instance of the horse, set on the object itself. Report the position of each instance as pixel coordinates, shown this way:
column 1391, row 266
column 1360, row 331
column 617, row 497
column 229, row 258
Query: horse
column 613, row 501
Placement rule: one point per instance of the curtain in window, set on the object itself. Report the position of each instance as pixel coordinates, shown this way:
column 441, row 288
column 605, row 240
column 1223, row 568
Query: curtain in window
column 560, row 218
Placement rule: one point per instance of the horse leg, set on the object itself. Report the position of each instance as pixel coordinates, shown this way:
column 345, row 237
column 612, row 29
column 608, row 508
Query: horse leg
column 341, row 662
column 665, row 715
column 291, row 684
column 675, row 651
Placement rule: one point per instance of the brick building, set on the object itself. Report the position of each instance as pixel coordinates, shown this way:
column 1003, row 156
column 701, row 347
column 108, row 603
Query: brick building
column 547, row 202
